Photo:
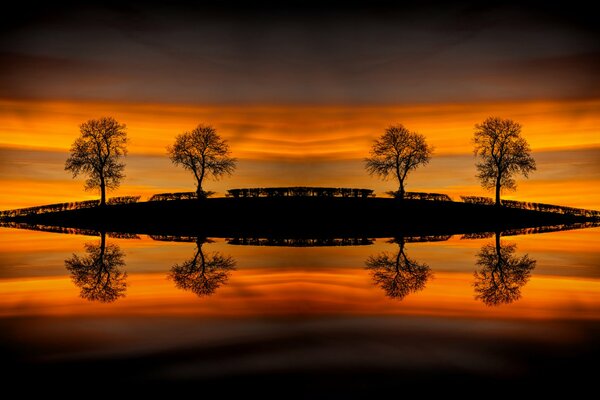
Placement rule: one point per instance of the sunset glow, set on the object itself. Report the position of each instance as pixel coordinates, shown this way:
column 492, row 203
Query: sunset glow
column 328, row 142
column 299, row 200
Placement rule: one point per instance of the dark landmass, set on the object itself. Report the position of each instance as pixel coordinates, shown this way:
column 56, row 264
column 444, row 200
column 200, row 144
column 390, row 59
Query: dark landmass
column 291, row 217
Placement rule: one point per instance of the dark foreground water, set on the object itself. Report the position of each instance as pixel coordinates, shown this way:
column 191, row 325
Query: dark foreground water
column 343, row 318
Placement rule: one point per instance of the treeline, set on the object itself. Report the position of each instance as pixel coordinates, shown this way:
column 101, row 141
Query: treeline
column 74, row 205
column 299, row 191
column 424, row 196
column 173, row 196
column 534, row 206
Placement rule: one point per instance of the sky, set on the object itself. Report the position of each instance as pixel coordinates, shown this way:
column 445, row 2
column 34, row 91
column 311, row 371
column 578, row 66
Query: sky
column 300, row 92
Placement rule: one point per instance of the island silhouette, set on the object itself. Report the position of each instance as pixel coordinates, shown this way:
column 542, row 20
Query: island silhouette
column 294, row 212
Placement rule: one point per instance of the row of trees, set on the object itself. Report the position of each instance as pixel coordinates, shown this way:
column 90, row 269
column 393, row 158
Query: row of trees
column 502, row 151
column 102, row 144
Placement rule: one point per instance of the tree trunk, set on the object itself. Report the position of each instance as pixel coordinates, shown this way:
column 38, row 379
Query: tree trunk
column 401, row 190
column 199, row 190
column 498, row 192
column 102, row 191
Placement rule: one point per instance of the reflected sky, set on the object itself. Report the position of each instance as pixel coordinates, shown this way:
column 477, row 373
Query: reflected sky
column 288, row 281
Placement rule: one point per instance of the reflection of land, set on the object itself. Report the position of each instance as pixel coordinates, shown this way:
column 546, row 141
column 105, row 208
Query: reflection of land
column 397, row 274
column 307, row 241
column 204, row 273
column 426, row 238
column 68, row 230
column 502, row 274
column 322, row 242
column 301, row 242
column 98, row 275
column 52, row 229
column 532, row 230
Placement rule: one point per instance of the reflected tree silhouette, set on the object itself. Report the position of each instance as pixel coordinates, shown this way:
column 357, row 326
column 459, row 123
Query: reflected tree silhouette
column 98, row 274
column 204, row 273
column 502, row 274
column 397, row 274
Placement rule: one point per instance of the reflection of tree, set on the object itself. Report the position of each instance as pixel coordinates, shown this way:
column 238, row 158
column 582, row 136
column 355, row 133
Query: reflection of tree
column 397, row 274
column 98, row 274
column 203, row 273
column 502, row 275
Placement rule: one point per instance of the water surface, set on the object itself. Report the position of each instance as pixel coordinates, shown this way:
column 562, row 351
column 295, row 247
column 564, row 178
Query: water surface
column 341, row 316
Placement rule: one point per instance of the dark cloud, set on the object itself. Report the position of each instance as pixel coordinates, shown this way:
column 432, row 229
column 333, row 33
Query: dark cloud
column 314, row 53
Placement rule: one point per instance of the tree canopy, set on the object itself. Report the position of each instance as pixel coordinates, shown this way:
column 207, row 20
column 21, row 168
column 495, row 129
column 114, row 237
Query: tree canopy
column 203, row 152
column 503, row 153
column 97, row 153
column 397, row 152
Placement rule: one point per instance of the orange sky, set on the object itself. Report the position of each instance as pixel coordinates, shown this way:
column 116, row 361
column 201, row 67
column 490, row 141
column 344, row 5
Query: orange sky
column 299, row 145
column 289, row 132
column 300, row 95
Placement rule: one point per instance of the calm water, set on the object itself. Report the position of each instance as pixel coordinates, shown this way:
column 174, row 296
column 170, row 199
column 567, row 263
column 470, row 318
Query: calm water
column 369, row 315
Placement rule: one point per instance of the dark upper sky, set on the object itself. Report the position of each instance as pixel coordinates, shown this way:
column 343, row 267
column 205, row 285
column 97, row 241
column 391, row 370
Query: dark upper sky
column 308, row 54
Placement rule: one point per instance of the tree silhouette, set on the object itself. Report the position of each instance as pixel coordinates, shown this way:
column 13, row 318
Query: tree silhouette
column 503, row 152
column 98, row 275
column 97, row 153
column 203, row 152
column 397, row 152
column 502, row 275
column 397, row 274
column 203, row 273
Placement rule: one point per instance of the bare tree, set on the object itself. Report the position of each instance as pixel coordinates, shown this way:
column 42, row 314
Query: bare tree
column 203, row 152
column 97, row 153
column 397, row 274
column 503, row 152
column 502, row 275
column 99, row 275
column 203, row 273
column 397, row 152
